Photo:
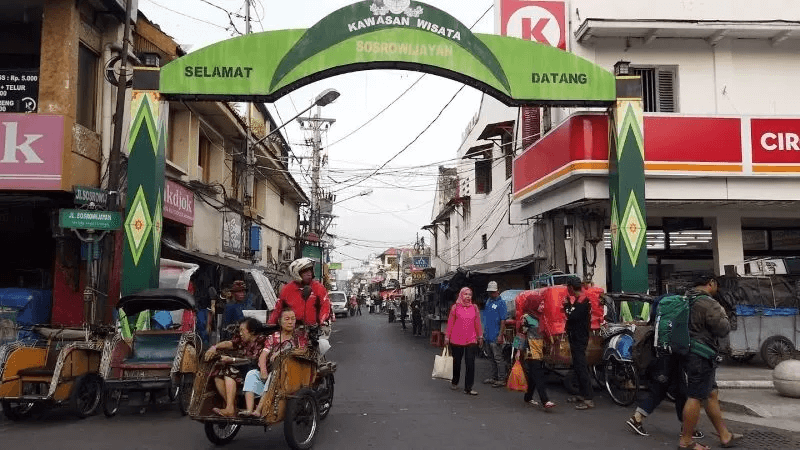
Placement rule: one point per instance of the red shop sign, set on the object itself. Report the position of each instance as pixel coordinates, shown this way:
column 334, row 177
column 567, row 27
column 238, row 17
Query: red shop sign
column 178, row 203
column 544, row 22
column 775, row 140
column 31, row 147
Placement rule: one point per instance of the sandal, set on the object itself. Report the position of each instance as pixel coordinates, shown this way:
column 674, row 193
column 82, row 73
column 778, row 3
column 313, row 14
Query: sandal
column 222, row 412
column 549, row 405
column 454, row 387
column 732, row 442
column 694, row 446
column 245, row 413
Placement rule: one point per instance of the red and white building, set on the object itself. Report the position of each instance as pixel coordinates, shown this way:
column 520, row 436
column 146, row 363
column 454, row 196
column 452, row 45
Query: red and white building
column 721, row 131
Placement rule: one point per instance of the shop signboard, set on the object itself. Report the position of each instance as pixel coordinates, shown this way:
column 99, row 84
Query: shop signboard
column 775, row 140
column 544, row 22
column 85, row 219
column 30, row 151
column 178, row 203
column 335, row 266
column 19, row 90
column 232, row 233
column 315, row 253
column 86, row 195
column 422, row 262
column 418, row 277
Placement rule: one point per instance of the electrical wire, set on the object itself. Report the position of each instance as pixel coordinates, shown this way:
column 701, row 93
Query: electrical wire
column 186, row 15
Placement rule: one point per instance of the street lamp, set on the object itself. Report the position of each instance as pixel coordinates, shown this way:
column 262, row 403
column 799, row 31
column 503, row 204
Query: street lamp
column 325, row 98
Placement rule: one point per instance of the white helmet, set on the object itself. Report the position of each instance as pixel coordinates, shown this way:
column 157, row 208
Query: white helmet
column 298, row 266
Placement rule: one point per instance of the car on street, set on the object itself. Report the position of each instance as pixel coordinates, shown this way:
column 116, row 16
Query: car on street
column 338, row 303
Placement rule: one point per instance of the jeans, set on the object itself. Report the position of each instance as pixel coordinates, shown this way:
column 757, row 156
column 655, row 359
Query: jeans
column 665, row 373
column 403, row 320
column 468, row 353
column 534, row 373
column 494, row 351
column 581, row 368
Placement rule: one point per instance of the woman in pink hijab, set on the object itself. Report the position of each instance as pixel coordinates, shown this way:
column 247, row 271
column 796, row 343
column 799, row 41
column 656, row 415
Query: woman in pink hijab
column 464, row 335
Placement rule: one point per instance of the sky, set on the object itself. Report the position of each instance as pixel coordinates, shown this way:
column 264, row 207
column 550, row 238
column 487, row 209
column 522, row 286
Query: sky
column 401, row 198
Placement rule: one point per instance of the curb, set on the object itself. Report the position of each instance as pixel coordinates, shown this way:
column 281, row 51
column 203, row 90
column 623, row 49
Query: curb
column 750, row 384
column 738, row 408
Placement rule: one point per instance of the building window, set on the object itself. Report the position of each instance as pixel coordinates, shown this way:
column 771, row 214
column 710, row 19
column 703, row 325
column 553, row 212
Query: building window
column 204, row 159
column 484, row 242
column 269, row 255
column 283, row 197
column 659, row 88
column 483, row 176
column 87, row 88
column 466, row 210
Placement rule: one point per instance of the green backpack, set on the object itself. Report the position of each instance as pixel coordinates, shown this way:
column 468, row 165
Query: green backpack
column 672, row 325
column 672, row 328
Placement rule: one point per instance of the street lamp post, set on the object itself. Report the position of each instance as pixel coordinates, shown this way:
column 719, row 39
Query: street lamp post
column 325, row 98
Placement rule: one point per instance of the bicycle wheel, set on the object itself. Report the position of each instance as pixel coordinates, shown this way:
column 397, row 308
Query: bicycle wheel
column 622, row 381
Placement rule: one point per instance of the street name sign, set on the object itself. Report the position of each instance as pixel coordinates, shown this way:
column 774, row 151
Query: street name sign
column 85, row 195
column 89, row 220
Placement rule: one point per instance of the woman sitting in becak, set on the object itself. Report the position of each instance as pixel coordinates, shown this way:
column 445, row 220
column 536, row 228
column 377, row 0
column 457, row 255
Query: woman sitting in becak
column 256, row 380
column 247, row 344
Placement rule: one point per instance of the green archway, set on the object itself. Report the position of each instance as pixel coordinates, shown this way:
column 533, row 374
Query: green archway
column 370, row 35
column 263, row 67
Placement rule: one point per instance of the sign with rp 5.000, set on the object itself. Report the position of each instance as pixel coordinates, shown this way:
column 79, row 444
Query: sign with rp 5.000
column 89, row 220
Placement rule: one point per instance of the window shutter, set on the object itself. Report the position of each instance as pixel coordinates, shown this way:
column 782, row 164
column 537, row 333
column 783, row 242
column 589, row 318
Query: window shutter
column 531, row 125
column 666, row 90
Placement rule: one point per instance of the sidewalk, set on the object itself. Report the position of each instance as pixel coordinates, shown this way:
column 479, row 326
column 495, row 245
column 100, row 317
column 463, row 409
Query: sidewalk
column 747, row 395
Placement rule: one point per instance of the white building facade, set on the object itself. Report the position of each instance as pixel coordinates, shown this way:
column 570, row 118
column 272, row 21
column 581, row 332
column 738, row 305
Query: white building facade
column 721, row 127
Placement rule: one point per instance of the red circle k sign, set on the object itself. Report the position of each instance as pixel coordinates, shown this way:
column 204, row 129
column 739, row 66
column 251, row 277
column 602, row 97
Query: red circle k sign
column 540, row 21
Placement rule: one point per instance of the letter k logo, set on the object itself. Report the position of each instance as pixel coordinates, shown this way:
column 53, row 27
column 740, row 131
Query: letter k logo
column 11, row 146
column 535, row 33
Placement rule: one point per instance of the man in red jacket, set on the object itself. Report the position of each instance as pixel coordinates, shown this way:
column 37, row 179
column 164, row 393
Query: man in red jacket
column 306, row 296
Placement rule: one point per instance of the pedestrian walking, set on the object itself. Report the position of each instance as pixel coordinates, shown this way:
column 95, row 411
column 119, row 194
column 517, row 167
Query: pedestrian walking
column 464, row 335
column 578, row 310
column 416, row 317
column 494, row 326
column 403, row 311
column 533, row 355
column 664, row 374
column 708, row 323
column 359, row 301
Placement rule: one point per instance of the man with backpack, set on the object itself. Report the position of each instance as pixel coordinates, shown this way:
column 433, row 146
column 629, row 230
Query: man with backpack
column 664, row 373
column 707, row 324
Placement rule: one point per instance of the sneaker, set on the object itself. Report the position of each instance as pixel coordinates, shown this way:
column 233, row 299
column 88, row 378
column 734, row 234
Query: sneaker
column 698, row 434
column 549, row 405
column 454, row 387
column 499, row 383
column 489, row 381
column 637, row 427
column 532, row 402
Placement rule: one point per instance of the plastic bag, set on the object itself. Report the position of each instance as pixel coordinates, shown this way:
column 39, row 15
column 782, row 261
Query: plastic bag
column 443, row 366
column 516, row 379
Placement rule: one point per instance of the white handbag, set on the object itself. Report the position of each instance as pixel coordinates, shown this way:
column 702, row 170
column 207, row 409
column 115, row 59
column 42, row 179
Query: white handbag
column 443, row 366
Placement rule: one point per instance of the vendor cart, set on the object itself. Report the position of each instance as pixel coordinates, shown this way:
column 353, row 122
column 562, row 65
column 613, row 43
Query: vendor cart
column 763, row 311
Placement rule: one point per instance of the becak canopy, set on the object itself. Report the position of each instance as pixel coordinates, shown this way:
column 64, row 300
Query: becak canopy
column 547, row 305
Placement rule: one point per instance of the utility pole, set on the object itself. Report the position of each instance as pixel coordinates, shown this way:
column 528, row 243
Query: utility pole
column 315, row 124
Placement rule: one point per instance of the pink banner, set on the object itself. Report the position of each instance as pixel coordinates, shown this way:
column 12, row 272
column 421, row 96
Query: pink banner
column 31, row 148
column 178, row 203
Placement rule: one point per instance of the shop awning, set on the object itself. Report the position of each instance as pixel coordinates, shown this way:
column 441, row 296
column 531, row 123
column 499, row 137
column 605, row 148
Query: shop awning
column 219, row 260
column 490, row 268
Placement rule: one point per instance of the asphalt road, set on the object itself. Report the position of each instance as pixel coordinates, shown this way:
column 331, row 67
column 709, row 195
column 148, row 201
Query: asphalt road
column 384, row 398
